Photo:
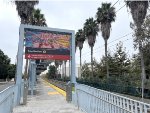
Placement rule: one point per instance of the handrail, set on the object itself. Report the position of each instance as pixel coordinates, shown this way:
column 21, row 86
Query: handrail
column 90, row 99
column 8, row 99
column 116, row 95
column 6, row 89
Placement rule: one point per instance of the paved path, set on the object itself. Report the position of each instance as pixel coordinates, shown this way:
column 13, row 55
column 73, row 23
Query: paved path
column 47, row 100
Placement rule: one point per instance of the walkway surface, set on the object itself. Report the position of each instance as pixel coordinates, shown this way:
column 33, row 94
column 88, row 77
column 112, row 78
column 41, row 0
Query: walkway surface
column 46, row 100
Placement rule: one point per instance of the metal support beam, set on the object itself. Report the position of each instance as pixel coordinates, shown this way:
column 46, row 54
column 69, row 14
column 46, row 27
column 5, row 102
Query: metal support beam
column 32, row 76
column 73, row 72
column 19, row 63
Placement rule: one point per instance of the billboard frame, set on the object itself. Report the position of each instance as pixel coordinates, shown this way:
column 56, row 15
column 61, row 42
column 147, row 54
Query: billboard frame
column 20, row 53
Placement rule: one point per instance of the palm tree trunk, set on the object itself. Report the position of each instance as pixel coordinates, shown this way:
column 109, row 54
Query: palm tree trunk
column 107, row 66
column 60, row 71
column 56, row 72
column 25, row 72
column 143, row 68
column 65, row 69
column 80, row 58
column 80, row 63
column 92, row 59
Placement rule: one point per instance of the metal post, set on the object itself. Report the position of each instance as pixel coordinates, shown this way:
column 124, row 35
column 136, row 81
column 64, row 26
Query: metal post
column 70, row 69
column 73, row 72
column 25, row 91
column 19, row 63
column 29, row 75
column 32, row 74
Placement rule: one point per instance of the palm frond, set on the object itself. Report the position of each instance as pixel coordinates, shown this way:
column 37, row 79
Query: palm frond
column 105, row 13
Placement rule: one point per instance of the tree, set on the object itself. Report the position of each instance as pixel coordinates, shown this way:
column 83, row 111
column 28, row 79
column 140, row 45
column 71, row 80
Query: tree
column 102, row 65
column 25, row 9
column 91, row 31
column 146, row 45
column 121, row 61
column 11, row 71
column 138, row 11
column 52, row 71
column 80, row 38
column 85, row 75
column 4, row 65
column 76, row 44
column 105, row 16
column 56, row 65
column 37, row 18
column 31, row 16
column 65, row 61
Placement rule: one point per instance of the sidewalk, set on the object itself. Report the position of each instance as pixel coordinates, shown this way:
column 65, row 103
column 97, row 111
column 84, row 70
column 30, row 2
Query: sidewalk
column 47, row 100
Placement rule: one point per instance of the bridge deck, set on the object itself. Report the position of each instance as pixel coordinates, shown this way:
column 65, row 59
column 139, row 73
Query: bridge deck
column 46, row 100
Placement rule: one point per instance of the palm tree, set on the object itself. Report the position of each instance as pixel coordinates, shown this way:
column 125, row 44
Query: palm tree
column 138, row 11
column 38, row 18
column 80, row 38
column 25, row 9
column 76, row 44
column 56, row 65
column 60, row 64
column 105, row 16
column 65, row 61
column 91, row 30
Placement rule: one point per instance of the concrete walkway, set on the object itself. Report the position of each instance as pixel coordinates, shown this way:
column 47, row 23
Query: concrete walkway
column 46, row 100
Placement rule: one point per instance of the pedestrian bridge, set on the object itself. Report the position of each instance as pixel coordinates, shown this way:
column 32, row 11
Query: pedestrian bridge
column 46, row 100
column 85, row 99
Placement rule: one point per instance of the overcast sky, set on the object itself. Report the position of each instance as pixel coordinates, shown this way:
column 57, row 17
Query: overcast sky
column 67, row 15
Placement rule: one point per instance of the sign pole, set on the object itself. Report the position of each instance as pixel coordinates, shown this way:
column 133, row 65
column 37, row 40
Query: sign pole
column 73, row 74
column 19, row 63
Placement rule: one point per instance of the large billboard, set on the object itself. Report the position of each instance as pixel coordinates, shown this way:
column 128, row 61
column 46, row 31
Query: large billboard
column 46, row 44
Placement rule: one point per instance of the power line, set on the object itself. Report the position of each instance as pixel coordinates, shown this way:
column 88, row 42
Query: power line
column 115, row 3
column 104, row 49
column 121, row 37
column 120, row 8
column 109, row 42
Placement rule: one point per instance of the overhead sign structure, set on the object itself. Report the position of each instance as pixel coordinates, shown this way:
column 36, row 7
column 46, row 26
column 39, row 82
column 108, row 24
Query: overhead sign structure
column 45, row 43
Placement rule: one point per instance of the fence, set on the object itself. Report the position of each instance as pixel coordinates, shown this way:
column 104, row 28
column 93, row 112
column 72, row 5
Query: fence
column 92, row 100
column 8, row 99
column 121, row 88
column 133, row 91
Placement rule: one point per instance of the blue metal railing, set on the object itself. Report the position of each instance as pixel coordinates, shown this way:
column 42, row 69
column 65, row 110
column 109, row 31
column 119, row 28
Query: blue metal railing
column 7, row 99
